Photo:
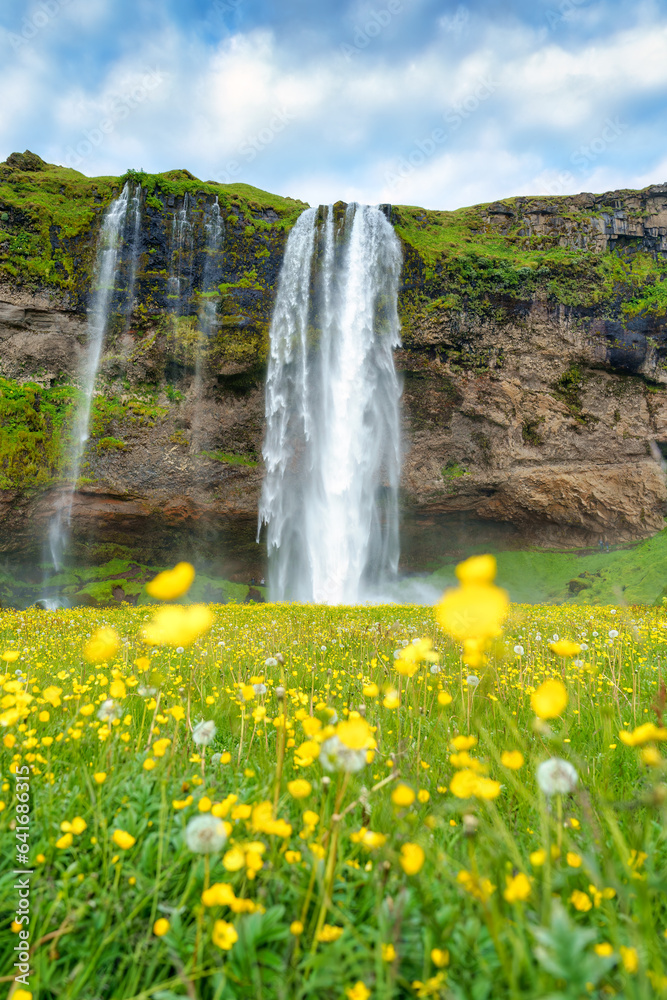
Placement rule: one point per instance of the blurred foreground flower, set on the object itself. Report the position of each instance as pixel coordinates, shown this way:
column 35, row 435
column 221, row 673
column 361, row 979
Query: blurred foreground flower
column 646, row 733
column 176, row 625
column 101, row 646
column 550, row 699
column 556, row 776
column 474, row 612
column 172, row 583
column 205, row 834
column 335, row 756
column 204, row 733
column 224, row 935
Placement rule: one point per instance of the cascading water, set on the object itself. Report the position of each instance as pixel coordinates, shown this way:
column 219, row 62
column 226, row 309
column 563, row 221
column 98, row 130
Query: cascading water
column 332, row 446
column 106, row 265
column 181, row 254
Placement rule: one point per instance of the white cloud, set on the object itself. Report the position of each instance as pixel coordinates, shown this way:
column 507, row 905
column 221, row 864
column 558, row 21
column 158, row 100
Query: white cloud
column 515, row 110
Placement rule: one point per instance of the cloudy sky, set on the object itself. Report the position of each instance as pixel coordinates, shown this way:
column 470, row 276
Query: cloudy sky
column 410, row 101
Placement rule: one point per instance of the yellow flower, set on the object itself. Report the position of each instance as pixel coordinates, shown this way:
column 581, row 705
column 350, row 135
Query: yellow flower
column 370, row 690
column 354, row 733
column 234, row 860
column 296, row 928
column 391, row 700
column 358, row 992
column 647, row 733
column 444, row 698
column 22, row 995
column 464, row 784
column 117, row 688
column 299, row 788
column 513, row 759
column 329, row 933
column 423, row 795
column 10, row 656
column 651, row 756
column 149, row 764
column 176, row 625
column 478, row 888
column 604, row 949
column 630, row 958
column 517, row 889
column 224, row 935
column 440, row 957
column 101, row 646
column 219, row 894
column 65, row 841
column 52, row 695
column 172, row 583
column 475, row 610
column 573, row 860
column 550, row 699
column 477, row 569
column 402, row 796
column 464, row 742
column 412, row 858
column 100, row 777
column 565, row 648
column 160, row 927
column 123, row 839
column 9, row 740
column 388, row 953
column 581, row 901
column 78, row 825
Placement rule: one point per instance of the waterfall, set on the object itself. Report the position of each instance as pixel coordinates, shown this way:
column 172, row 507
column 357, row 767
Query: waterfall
column 332, row 444
column 106, row 265
column 181, row 253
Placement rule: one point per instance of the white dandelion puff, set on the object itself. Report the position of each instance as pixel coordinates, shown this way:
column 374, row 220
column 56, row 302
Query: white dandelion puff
column 205, row 834
column 204, row 733
column 556, row 776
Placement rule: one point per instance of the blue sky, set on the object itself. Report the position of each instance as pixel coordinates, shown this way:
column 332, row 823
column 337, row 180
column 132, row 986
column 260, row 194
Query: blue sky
column 409, row 101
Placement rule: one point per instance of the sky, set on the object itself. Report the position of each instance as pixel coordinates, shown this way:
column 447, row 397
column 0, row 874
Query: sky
column 405, row 101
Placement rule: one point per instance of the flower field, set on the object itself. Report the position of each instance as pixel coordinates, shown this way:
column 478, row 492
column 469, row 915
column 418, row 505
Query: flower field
column 291, row 801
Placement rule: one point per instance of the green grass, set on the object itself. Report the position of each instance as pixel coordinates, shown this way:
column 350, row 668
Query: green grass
column 630, row 575
column 592, row 863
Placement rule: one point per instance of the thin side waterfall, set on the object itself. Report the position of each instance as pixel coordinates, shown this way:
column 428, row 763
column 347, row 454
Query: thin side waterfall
column 332, row 445
column 181, row 254
column 106, row 265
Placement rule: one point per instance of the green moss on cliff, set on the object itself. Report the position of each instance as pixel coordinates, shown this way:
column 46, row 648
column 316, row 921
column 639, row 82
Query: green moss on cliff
column 32, row 441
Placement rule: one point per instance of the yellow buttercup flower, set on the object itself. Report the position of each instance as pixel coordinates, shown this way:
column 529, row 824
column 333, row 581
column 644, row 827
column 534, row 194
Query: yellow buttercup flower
column 358, row 992
column 402, row 796
column 100, row 777
column 123, row 839
column 477, row 569
column 581, row 901
column 412, row 858
column 329, row 933
column 176, row 625
column 646, row 733
column 388, row 953
column 630, row 958
column 296, row 928
column 299, row 788
column 565, row 648
column 102, row 645
column 444, row 698
column 517, row 888
column 224, row 935
column 10, row 656
column 513, row 759
column 440, row 957
column 161, row 926
column 172, row 583
column 550, row 699
column 354, row 733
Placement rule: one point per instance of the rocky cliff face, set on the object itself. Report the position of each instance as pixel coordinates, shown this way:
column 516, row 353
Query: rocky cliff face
column 534, row 362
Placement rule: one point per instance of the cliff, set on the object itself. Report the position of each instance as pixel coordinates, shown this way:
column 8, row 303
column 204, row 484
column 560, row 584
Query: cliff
column 534, row 366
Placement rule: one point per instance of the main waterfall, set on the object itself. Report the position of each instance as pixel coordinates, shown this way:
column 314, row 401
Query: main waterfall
column 332, row 445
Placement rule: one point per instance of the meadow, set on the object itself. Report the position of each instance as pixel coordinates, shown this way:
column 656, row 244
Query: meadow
column 287, row 801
